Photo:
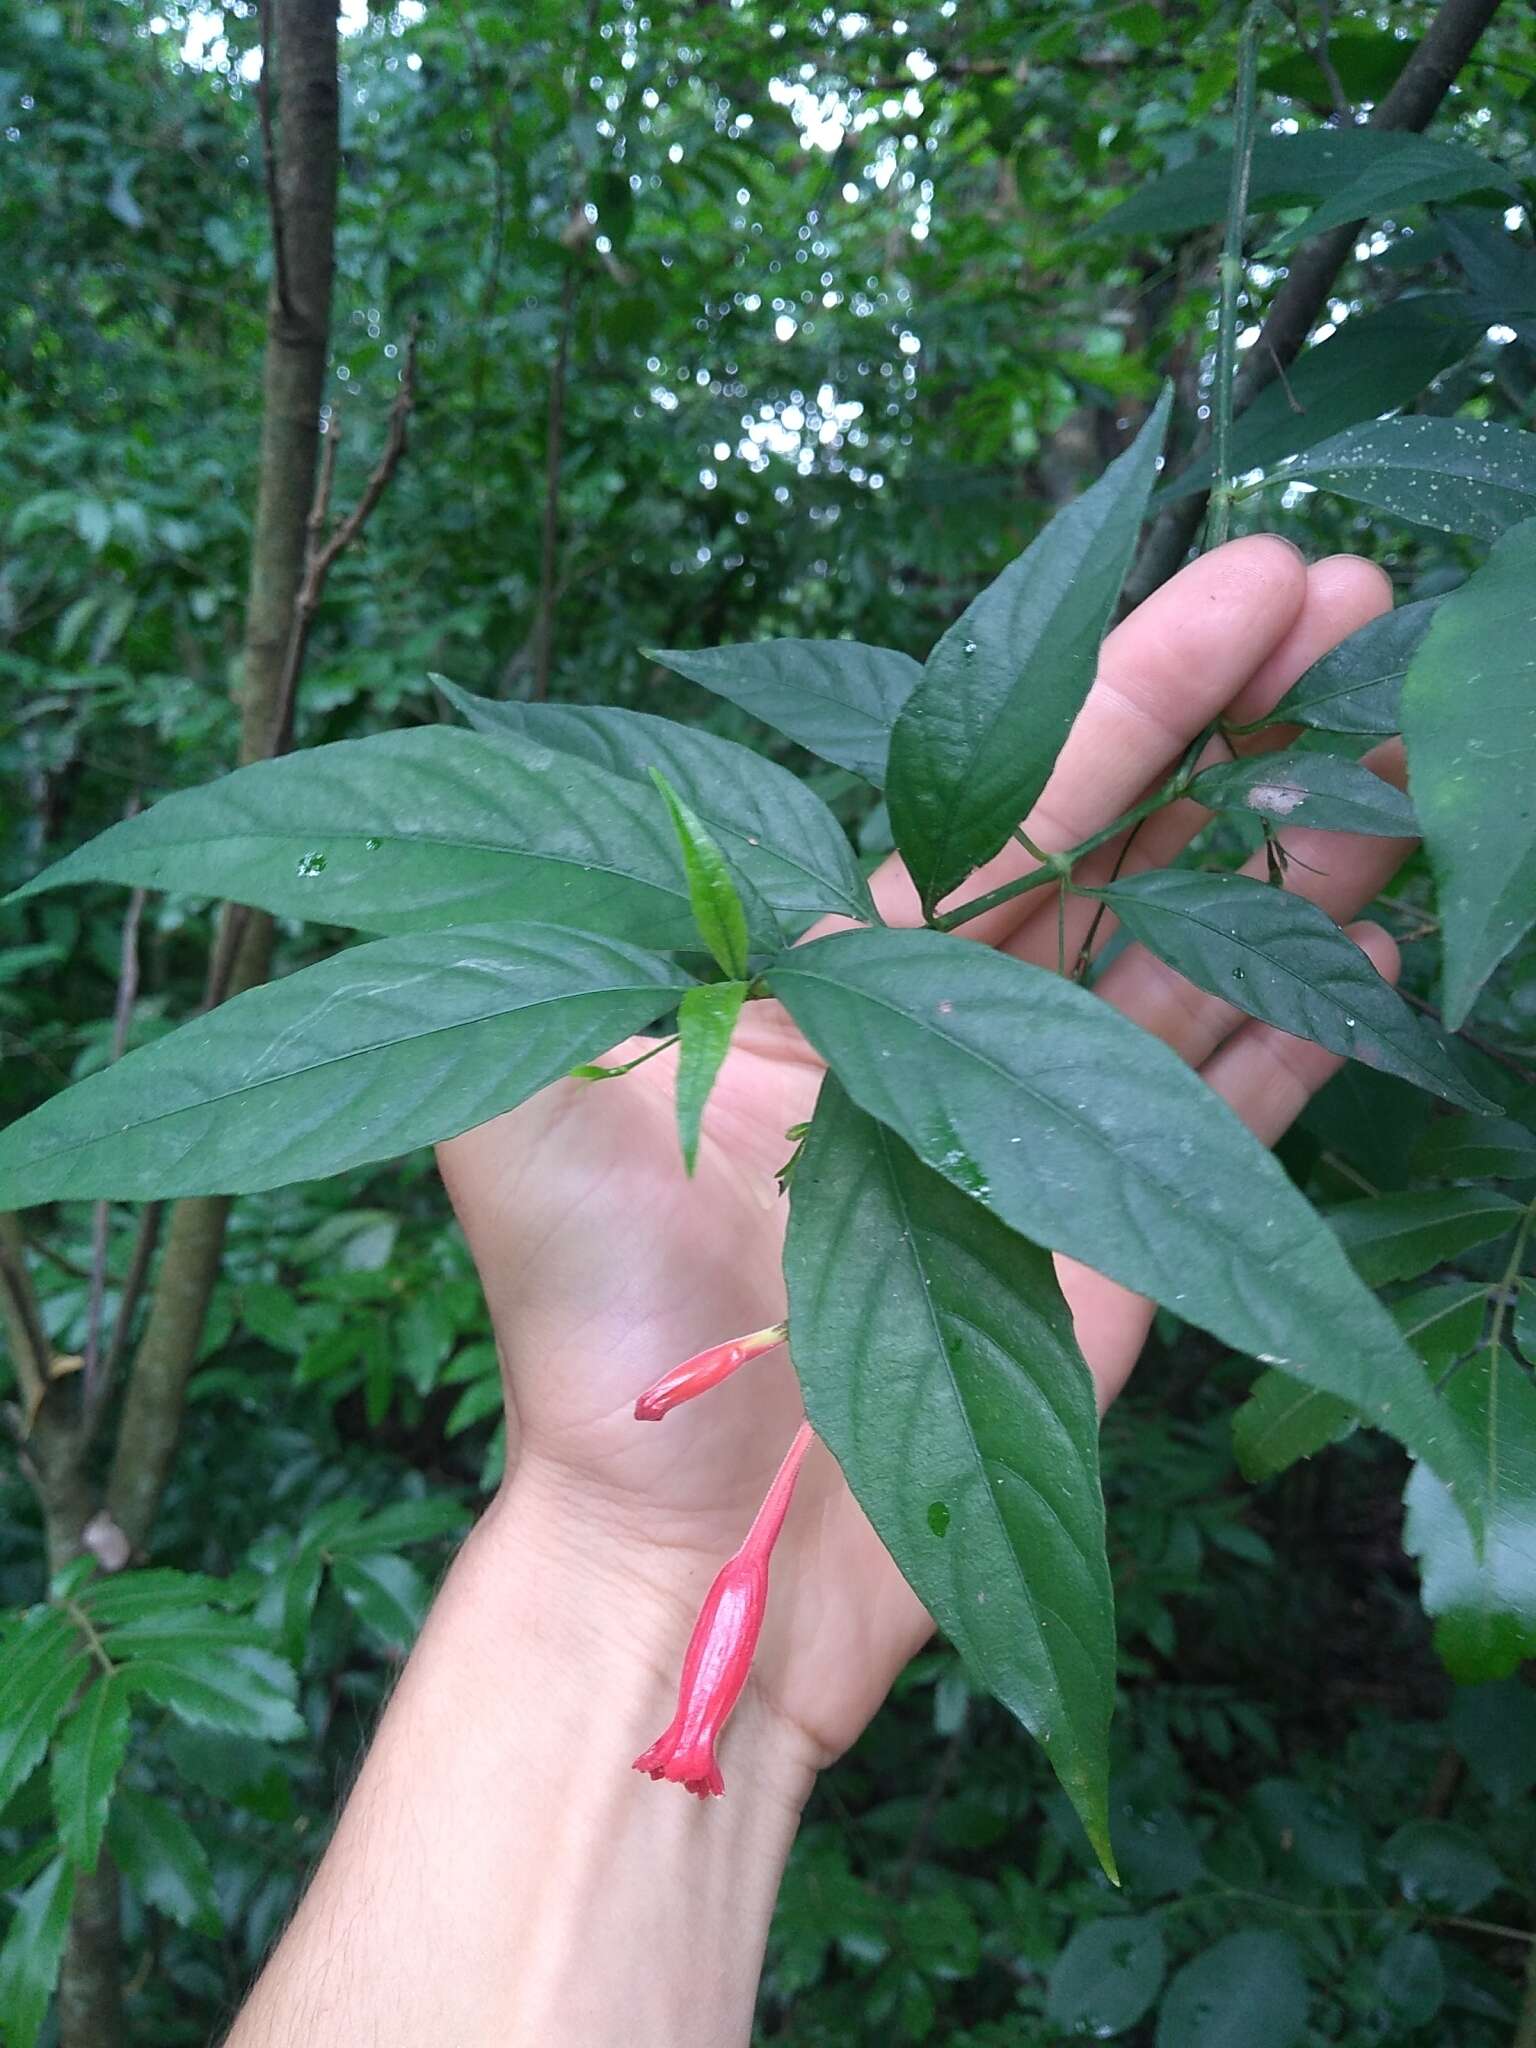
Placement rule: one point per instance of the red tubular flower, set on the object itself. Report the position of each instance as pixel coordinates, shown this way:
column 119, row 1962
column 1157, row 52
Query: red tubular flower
column 704, row 1370
column 721, row 1648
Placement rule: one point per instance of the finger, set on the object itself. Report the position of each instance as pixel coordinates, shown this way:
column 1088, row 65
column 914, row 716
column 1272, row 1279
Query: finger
column 1163, row 675
column 1266, row 1076
column 1343, row 593
column 1339, row 872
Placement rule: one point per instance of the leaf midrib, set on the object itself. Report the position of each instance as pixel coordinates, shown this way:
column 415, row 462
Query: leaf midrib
column 1246, row 946
column 357, row 1052
column 995, row 1513
column 459, row 845
column 1014, row 1080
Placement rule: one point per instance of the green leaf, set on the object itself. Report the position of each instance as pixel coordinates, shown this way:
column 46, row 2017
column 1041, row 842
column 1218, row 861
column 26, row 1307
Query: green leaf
column 1476, row 1148
column 406, row 830
column 163, row 1860
column 1084, row 1133
column 706, row 1017
column 1484, row 1607
column 1397, row 1237
column 405, row 1521
column 1498, row 267
column 1443, row 1322
column 1442, row 1866
column 86, row 1759
column 1357, row 685
column 1106, row 1977
column 1411, row 1978
column 1280, row 958
column 779, row 839
column 1287, row 169
column 147, row 1595
column 44, row 1660
column 1249, row 1991
column 938, row 1364
column 716, row 902
column 835, row 698
column 1421, row 170
column 1372, row 364
column 386, row 1593
column 1297, row 788
column 379, row 1049
column 1525, row 1319
column 1462, row 476
column 236, row 1686
column 1308, row 1834
column 480, row 1399
column 1281, row 1422
column 1469, row 722
column 33, row 1951
column 1367, row 63
column 1494, row 1728
column 976, row 740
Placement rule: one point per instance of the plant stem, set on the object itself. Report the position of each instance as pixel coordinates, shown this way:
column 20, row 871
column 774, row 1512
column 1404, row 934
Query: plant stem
column 1058, row 867
column 1506, row 1282
column 1219, row 524
column 1293, row 312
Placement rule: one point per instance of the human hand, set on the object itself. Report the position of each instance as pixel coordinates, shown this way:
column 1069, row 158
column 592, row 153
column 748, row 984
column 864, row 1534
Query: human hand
column 604, row 1266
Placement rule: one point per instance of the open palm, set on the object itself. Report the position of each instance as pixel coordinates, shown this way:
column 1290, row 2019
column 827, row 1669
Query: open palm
column 603, row 1265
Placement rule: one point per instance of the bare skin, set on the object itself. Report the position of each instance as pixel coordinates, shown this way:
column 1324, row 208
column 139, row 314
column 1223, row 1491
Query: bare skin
column 499, row 1875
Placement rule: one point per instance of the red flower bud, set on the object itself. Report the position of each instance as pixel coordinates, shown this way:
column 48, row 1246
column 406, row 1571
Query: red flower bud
column 721, row 1647
column 704, row 1370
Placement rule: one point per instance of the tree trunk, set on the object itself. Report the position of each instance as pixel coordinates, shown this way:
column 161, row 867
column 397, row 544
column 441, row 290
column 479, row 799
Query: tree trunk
column 302, row 152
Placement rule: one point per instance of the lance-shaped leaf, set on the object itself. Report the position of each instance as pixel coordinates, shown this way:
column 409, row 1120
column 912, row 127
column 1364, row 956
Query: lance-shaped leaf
column 1281, row 1421
column 391, row 1045
column 44, row 1660
column 1469, row 721
column 1297, row 788
column 1280, row 958
column 1086, row 1134
column 976, row 740
column 778, row 836
column 1371, row 364
column 836, row 698
column 163, row 1860
column 1422, row 169
column 1397, row 1237
column 1484, row 1606
column 86, row 1759
column 706, row 1017
column 1499, row 268
column 938, row 1363
column 33, row 1951
column 1462, row 476
column 1286, row 170
column 1476, row 1148
column 1357, row 685
column 405, row 830
column 715, row 899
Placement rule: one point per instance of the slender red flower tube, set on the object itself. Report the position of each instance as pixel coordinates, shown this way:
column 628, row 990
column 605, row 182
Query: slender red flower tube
column 721, row 1647
column 704, row 1370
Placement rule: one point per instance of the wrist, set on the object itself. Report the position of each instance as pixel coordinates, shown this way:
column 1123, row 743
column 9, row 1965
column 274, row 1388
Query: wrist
column 523, row 1882
column 614, row 1608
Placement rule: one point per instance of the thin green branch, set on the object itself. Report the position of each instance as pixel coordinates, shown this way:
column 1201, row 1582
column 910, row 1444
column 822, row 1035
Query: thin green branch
column 87, row 1628
column 1057, row 867
column 1219, row 523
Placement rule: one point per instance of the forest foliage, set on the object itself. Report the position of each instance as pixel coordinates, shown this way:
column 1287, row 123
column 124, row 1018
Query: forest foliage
column 791, row 376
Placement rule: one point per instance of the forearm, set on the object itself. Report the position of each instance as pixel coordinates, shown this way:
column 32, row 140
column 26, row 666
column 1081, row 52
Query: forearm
column 500, row 1874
